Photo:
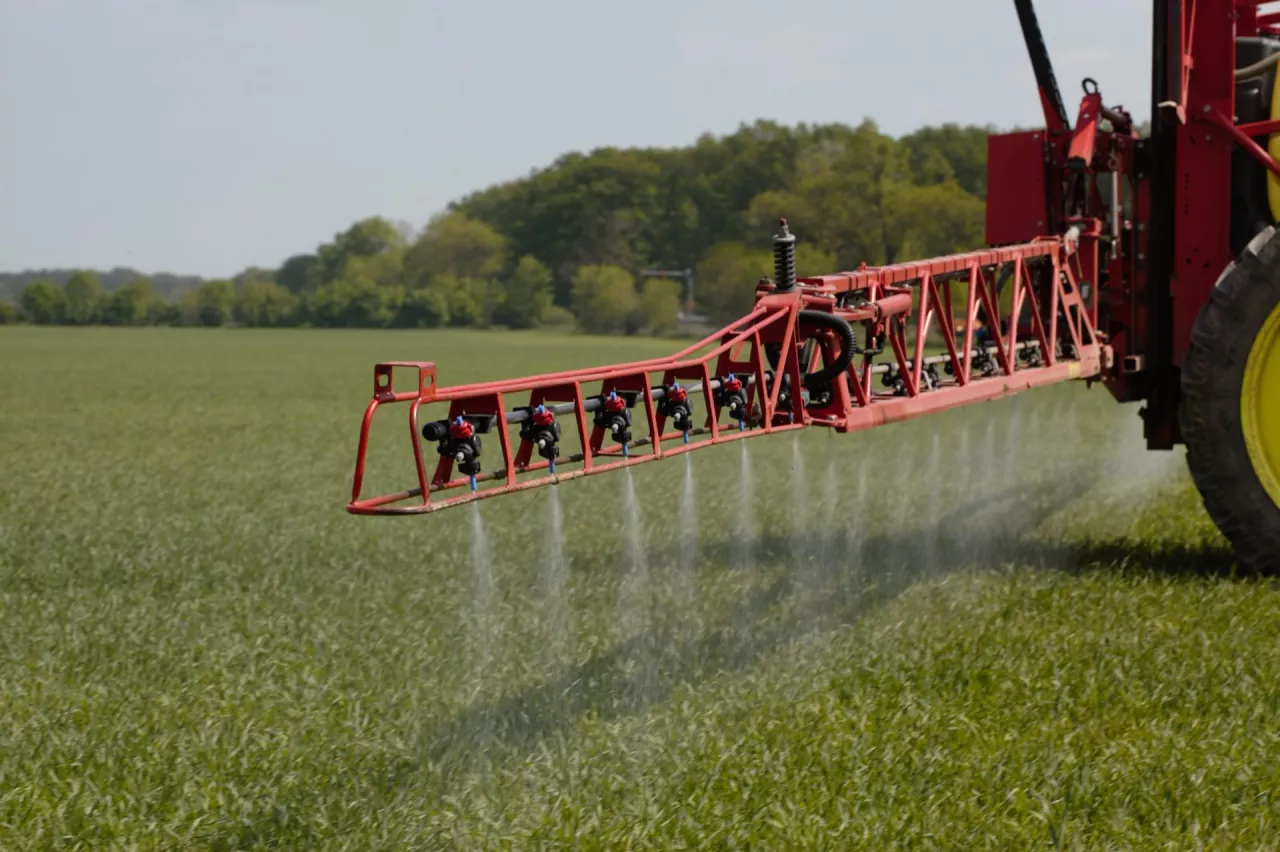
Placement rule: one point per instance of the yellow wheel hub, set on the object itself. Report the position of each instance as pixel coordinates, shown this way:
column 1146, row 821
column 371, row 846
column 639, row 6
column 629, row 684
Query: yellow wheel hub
column 1260, row 405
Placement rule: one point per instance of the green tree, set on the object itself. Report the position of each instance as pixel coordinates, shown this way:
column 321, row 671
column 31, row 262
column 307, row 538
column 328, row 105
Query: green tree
column 213, row 302
column 299, row 273
column 355, row 301
column 426, row 307
column 9, row 313
column 768, row 207
column 930, row 167
column 848, row 183
column 84, row 298
column 371, row 237
column 385, row 268
column 935, row 220
column 453, row 244
column 43, row 302
column 526, row 295
column 659, row 305
column 366, row 238
column 264, row 304
column 470, row 302
column 129, row 305
column 163, row 312
column 812, row 261
column 726, row 280
column 604, row 299
column 939, row 154
column 558, row 318
column 606, row 208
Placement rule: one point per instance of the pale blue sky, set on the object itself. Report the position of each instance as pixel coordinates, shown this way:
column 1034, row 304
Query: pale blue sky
column 203, row 136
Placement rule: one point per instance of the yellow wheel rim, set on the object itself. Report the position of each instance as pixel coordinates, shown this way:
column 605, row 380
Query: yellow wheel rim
column 1260, row 405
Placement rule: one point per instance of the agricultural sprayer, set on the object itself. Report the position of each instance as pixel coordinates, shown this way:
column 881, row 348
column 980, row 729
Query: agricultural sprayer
column 1149, row 265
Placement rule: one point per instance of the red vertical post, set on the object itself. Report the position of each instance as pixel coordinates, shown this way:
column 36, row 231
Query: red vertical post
column 1055, row 303
column 419, row 463
column 580, row 417
column 1203, row 212
column 970, row 314
column 1015, row 310
column 708, row 396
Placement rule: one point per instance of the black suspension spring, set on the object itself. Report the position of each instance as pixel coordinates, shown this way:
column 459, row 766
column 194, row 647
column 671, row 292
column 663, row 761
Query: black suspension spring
column 784, row 258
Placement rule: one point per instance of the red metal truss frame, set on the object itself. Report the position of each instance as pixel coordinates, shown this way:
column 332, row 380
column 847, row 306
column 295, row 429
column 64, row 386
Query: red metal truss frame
column 1047, row 334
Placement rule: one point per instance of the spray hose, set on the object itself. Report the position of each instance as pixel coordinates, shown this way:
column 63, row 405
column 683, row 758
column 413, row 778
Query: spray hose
column 1257, row 69
column 848, row 347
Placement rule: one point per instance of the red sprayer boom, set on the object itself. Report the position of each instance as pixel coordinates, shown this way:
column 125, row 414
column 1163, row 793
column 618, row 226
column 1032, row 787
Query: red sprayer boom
column 795, row 361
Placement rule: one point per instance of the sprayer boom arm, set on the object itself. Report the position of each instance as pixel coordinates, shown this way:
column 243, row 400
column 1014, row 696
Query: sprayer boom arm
column 847, row 351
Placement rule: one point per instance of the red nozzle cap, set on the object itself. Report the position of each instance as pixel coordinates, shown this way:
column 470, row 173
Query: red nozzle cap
column 732, row 384
column 460, row 429
column 614, row 403
column 675, row 393
column 542, row 416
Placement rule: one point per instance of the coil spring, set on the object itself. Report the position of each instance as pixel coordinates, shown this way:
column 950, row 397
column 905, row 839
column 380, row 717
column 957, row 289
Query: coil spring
column 784, row 258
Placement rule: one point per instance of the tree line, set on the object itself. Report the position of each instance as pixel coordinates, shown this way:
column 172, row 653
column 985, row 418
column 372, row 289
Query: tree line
column 568, row 245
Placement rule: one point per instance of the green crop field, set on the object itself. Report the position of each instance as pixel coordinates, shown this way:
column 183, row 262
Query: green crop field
column 1003, row 627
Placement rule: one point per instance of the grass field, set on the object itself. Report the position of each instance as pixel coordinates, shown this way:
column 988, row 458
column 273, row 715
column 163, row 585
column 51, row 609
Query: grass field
column 921, row 641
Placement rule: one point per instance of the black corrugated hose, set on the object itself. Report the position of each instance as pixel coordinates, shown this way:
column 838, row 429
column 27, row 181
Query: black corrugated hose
column 848, row 348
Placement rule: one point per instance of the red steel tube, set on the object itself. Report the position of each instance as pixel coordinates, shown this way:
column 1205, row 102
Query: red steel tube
column 1255, row 150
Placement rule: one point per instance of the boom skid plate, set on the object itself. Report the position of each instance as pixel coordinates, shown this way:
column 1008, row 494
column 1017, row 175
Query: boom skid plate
column 928, row 336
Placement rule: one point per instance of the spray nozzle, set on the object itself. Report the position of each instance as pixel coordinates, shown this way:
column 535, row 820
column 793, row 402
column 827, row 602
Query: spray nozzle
column 462, row 442
column 614, row 417
column 541, row 429
column 676, row 405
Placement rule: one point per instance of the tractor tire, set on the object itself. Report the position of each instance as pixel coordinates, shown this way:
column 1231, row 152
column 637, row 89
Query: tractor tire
column 1231, row 429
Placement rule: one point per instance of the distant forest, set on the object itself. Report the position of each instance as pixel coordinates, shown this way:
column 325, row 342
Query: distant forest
column 570, row 243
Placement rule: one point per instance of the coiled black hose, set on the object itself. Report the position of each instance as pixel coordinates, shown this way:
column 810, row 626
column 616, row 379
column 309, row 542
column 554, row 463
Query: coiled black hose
column 848, row 347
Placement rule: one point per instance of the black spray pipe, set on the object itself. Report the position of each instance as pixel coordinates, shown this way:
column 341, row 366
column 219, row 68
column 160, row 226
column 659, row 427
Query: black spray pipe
column 942, row 359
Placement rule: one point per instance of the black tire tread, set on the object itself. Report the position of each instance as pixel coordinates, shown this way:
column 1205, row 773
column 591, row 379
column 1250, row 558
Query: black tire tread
column 1209, row 414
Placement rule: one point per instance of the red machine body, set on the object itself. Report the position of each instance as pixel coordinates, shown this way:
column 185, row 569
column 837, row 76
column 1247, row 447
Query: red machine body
column 1160, row 205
